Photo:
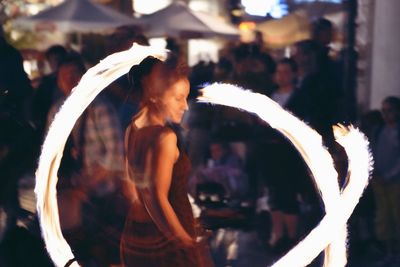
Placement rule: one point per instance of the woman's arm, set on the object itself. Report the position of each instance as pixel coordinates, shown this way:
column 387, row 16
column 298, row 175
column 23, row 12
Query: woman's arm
column 158, row 172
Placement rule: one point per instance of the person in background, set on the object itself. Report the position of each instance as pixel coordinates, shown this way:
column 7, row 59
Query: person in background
column 331, row 62
column 362, row 228
column 15, row 87
column 46, row 93
column 117, row 92
column 223, row 167
column 90, row 172
column 323, row 34
column 160, row 229
column 285, row 78
column 221, row 154
column 99, row 140
column 16, row 155
column 285, row 170
column 317, row 95
column 386, row 178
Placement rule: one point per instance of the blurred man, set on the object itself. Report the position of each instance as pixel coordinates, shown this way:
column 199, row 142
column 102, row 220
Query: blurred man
column 96, row 137
column 117, row 92
column 47, row 92
column 89, row 173
column 323, row 32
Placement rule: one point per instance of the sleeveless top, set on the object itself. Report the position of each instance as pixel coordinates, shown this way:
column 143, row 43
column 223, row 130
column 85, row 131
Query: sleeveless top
column 142, row 243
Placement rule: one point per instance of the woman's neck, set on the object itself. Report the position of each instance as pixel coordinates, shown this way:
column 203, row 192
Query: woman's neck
column 147, row 118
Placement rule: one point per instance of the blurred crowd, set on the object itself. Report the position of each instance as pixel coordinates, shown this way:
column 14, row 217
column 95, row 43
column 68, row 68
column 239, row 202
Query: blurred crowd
column 236, row 156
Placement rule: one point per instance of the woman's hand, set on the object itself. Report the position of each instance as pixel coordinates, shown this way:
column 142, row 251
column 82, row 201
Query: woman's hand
column 186, row 242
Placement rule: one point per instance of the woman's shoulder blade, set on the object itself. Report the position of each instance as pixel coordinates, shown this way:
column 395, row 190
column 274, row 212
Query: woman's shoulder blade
column 155, row 134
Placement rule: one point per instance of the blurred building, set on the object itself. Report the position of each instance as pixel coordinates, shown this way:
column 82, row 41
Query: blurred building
column 380, row 38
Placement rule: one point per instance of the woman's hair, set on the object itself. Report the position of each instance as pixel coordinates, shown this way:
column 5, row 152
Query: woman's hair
column 138, row 72
column 153, row 76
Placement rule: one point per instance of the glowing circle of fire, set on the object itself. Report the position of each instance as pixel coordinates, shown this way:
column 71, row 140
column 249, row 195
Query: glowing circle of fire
column 330, row 234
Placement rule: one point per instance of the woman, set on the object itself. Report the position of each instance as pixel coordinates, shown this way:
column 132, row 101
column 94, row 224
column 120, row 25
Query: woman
column 160, row 228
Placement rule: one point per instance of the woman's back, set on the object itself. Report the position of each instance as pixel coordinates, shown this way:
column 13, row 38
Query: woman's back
column 142, row 146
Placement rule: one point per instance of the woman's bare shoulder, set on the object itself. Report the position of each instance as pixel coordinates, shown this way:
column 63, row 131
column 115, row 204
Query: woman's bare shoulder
column 167, row 144
column 166, row 136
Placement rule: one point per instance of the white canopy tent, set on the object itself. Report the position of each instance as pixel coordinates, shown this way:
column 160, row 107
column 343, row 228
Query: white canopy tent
column 81, row 16
column 285, row 31
column 279, row 33
column 179, row 21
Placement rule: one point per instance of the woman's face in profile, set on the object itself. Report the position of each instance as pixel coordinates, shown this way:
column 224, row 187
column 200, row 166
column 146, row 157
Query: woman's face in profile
column 174, row 100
